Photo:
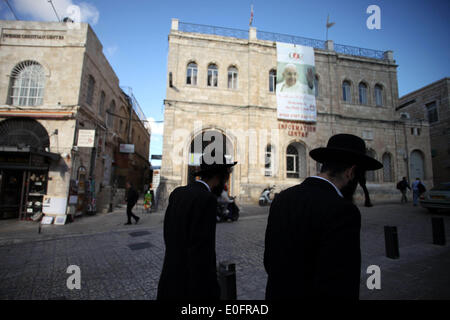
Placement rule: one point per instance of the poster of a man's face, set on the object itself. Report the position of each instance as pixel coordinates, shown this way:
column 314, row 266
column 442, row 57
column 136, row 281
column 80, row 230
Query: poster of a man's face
column 290, row 75
column 295, row 82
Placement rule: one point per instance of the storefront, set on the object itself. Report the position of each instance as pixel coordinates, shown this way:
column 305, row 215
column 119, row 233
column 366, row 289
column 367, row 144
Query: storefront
column 23, row 181
column 24, row 167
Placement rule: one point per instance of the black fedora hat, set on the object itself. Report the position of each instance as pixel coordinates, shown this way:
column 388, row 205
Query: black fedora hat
column 346, row 148
column 215, row 166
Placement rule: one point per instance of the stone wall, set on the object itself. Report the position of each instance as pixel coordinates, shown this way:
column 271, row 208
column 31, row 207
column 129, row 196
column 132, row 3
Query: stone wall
column 415, row 104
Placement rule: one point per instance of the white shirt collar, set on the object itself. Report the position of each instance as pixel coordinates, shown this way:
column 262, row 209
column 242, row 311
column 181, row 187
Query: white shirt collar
column 337, row 190
column 199, row 180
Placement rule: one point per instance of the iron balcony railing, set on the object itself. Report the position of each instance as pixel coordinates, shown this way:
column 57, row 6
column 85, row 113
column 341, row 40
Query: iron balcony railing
column 278, row 37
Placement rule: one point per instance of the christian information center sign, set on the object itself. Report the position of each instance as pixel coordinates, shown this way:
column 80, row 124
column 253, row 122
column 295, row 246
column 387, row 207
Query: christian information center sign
column 86, row 138
column 296, row 98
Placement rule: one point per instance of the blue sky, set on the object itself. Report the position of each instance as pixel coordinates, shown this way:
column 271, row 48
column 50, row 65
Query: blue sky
column 134, row 34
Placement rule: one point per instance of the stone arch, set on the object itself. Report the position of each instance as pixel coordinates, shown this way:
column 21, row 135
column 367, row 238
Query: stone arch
column 24, row 132
column 302, row 163
column 230, row 145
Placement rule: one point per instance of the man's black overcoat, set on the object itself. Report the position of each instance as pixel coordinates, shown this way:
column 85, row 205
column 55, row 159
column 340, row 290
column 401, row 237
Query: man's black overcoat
column 132, row 196
column 189, row 269
column 312, row 244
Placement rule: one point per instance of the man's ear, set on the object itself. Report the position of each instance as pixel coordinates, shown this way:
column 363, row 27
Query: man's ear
column 351, row 172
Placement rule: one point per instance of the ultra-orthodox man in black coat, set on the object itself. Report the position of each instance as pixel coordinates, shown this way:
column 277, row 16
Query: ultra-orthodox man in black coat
column 312, row 246
column 189, row 269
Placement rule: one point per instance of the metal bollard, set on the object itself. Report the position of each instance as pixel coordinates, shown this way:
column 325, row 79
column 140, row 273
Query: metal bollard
column 391, row 241
column 438, row 231
column 227, row 280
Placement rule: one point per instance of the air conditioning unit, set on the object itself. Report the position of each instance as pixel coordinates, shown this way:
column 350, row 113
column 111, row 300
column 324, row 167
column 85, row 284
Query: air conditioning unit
column 404, row 115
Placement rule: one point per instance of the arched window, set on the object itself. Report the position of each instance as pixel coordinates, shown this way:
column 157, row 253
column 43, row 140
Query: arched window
column 191, row 74
column 316, row 85
column 90, row 90
column 387, row 168
column 213, row 74
column 232, row 78
column 370, row 174
column 347, row 91
column 378, row 95
column 295, row 160
column 110, row 117
column 272, row 80
column 101, row 106
column 268, row 170
column 362, row 93
column 27, row 84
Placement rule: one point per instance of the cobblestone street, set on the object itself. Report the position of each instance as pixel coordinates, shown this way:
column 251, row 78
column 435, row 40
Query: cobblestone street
column 117, row 262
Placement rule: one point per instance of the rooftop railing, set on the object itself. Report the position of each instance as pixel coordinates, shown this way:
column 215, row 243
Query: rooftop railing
column 278, row 37
column 218, row 31
column 135, row 104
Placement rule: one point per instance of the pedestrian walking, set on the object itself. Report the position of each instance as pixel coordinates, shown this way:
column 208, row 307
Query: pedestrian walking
column 148, row 201
column 312, row 241
column 403, row 185
column 132, row 198
column 189, row 268
column 418, row 188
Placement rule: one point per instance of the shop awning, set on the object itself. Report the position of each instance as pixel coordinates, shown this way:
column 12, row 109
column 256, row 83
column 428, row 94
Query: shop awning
column 27, row 151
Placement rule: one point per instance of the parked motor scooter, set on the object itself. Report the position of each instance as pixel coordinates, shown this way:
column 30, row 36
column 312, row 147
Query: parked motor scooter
column 264, row 198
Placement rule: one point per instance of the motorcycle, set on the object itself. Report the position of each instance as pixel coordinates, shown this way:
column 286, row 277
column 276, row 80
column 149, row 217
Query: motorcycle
column 264, row 198
column 227, row 211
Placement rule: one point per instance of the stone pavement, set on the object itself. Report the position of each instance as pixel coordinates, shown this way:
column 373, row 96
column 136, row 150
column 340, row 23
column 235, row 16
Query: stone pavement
column 124, row 262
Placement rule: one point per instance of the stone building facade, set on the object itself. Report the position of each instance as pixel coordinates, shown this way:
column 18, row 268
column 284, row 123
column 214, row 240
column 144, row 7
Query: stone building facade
column 56, row 80
column 245, row 111
column 431, row 105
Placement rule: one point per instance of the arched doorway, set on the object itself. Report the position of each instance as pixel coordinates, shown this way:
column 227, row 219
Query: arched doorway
column 416, row 165
column 205, row 142
column 295, row 160
column 24, row 163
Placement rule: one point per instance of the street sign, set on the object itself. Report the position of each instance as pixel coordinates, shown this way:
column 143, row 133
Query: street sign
column 127, row 148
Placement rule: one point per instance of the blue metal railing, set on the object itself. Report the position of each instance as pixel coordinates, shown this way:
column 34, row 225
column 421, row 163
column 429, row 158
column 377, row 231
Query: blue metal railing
column 279, row 37
column 218, row 31
column 270, row 36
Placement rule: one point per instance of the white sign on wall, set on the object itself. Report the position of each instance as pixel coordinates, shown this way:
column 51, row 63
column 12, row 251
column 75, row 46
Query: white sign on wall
column 86, row 138
column 127, row 148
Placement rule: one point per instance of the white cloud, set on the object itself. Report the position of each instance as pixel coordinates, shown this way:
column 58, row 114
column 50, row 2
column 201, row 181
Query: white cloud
column 157, row 127
column 42, row 10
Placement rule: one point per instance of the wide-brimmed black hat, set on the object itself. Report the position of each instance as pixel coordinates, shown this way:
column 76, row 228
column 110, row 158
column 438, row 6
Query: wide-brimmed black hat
column 346, row 148
column 215, row 166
